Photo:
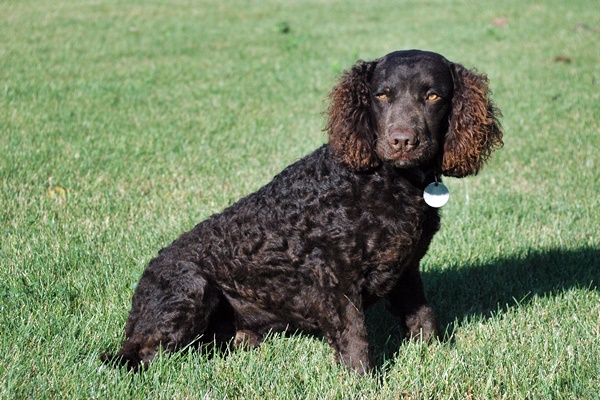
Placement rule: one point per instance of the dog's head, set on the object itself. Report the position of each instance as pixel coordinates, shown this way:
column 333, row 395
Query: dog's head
column 413, row 109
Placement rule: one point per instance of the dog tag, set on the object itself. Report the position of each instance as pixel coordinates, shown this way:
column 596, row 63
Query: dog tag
column 436, row 194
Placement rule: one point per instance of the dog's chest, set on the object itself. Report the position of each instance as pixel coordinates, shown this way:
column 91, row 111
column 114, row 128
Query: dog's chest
column 397, row 236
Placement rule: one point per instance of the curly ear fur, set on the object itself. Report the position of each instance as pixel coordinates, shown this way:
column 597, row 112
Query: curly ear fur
column 351, row 132
column 474, row 130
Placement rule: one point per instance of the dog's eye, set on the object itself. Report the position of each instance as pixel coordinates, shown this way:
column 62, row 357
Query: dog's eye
column 381, row 96
column 432, row 97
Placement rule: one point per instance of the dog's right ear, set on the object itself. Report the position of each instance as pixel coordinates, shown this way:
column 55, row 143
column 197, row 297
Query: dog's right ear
column 352, row 134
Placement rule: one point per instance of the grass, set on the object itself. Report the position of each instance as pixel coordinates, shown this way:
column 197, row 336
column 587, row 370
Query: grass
column 124, row 124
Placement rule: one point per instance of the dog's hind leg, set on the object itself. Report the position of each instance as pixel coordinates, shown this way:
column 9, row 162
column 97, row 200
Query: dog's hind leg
column 172, row 307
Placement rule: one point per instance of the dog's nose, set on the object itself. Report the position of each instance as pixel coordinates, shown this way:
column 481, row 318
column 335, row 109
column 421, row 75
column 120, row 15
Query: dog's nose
column 403, row 141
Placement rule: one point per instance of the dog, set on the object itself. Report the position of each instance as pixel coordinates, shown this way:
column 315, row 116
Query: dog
column 333, row 233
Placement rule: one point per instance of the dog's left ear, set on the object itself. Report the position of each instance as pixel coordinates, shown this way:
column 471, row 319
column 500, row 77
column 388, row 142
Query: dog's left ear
column 474, row 130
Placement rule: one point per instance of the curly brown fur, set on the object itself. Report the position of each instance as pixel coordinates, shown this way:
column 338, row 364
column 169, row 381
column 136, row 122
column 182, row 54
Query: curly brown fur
column 475, row 131
column 333, row 233
column 351, row 133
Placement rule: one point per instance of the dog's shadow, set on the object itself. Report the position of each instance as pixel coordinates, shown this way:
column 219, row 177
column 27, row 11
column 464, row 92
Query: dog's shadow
column 462, row 292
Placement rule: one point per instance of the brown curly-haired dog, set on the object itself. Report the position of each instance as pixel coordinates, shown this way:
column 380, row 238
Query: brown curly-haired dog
column 334, row 232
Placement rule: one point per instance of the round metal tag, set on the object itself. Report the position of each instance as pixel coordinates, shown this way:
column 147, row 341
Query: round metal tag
column 436, row 194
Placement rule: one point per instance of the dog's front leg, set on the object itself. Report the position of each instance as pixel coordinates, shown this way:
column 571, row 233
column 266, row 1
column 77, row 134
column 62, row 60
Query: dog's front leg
column 347, row 334
column 409, row 302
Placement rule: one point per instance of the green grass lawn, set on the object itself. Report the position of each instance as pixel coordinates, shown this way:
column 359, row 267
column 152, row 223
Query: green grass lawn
column 122, row 124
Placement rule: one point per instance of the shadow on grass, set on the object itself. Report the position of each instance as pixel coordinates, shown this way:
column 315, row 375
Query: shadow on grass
column 478, row 291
